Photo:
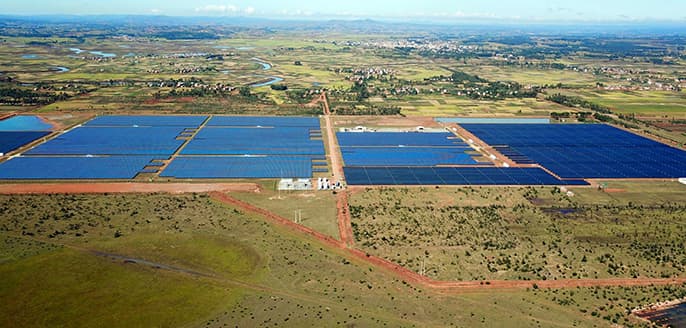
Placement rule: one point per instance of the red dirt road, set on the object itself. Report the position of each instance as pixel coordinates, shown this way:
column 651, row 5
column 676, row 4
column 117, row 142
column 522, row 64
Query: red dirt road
column 124, row 187
column 344, row 220
column 224, row 198
column 444, row 286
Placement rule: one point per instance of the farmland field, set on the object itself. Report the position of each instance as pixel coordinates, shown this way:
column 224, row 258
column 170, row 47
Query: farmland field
column 642, row 103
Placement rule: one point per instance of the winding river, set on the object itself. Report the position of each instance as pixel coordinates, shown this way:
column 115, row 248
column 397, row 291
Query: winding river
column 265, row 67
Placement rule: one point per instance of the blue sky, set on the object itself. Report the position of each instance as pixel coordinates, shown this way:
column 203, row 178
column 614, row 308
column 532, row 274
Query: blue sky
column 451, row 10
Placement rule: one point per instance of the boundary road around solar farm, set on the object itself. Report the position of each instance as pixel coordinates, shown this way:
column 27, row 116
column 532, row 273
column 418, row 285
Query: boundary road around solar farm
column 124, row 187
column 442, row 286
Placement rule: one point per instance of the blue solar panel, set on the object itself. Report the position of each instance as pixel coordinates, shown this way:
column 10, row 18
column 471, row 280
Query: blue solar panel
column 452, row 176
column 584, row 150
column 254, row 141
column 133, row 142
column 492, row 120
column 405, row 156
column 113, row 141
column 273, row 121
column 12, row 140
column 392, row 139
column 125, row 120
column 232, row 167
column 24, row 123
column 403, row 149
column 57, row 168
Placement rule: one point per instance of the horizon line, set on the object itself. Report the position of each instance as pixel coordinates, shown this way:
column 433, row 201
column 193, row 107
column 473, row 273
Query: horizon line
column 439, row 20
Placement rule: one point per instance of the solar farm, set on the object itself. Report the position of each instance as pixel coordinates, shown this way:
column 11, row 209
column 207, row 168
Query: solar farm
column 123, row 147
column 584, row 151
column 249, row 147
column 417, row 158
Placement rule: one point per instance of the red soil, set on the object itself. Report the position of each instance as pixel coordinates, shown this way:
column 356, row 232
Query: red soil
column 124, row 187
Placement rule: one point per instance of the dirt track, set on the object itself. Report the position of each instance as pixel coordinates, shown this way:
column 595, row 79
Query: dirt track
column 344, row 220
column 445, row 286
column 124, row 187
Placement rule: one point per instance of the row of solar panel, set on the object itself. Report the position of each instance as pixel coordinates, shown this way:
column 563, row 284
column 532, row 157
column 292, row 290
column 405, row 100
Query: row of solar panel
column 254, row 141
column 12, row 140
column 584, row 150
column 452, row 176
column 82, row 167
column 222, row 167
column 561, row 135
column 405, row 156
column 196, row 121
column 143, row 120
column 113, row 141
column 392, row 139
column 127, row 167
column 265, row 121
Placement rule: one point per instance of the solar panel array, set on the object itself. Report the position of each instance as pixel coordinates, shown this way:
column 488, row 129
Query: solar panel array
column 223, row 167
column 265, row 121
column 396, row 139
column 24, row 123
column 405, row 156
column 123, row 140
column 143, row 120
column 107, row 147
column 251, row 147
column 423, row 159
column 121, row 147
column 452, row 176
column 584, row 150
column 11, row 140
column 402, row 149
column 255, row 141
column 17, row 131
column 65, row 168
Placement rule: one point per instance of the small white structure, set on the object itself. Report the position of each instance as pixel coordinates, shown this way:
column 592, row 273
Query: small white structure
column 506, row 165
column 326, row 184
column 299, row 184
column 420, row 129
column 359, row 128
column 682, row 181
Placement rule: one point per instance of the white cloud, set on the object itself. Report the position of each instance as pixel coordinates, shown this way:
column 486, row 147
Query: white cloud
column 217, row 9
column 297, row 13
column 155, row 11
column 249, row 10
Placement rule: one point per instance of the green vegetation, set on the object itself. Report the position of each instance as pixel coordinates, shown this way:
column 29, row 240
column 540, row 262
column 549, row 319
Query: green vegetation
column 237, row 270
column 520, row 233
column 577, row 102
column 317, row 210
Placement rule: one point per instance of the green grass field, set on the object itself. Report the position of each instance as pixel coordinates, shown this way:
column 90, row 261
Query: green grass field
column 443, row 105
column 253, row 274
column 530, row 76
column 649, row 103
column 525, row 233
